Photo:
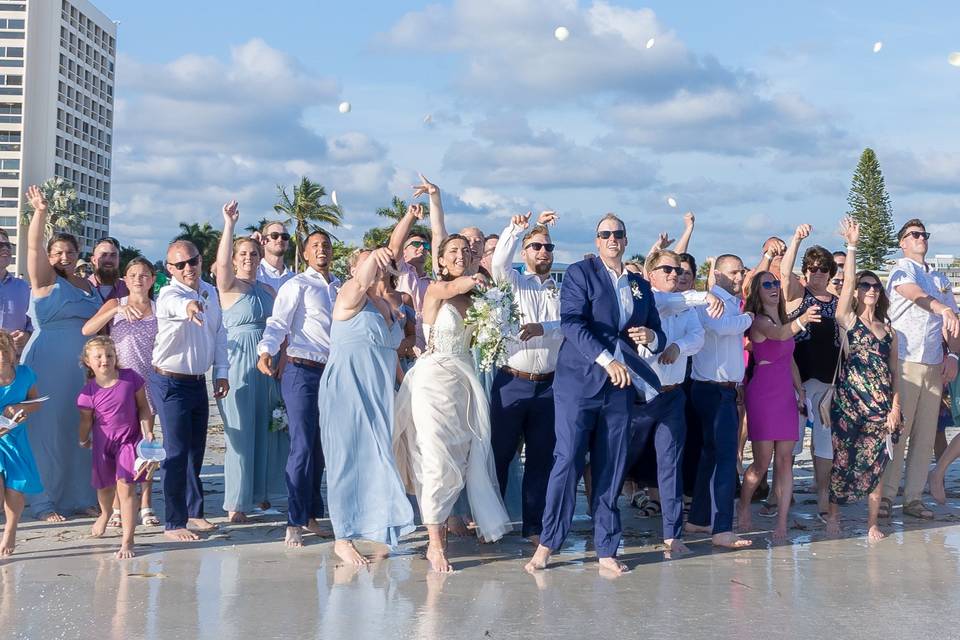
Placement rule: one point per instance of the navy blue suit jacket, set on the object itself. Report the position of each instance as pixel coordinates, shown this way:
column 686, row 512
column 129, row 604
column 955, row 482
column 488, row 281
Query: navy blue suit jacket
column 590, row 321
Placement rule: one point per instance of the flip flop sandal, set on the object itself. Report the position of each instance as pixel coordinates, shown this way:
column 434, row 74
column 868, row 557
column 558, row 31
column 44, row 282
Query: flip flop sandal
column 822, row 516
column 651, row 510
column 917, row 509
column 639, row 500
column 886, row 506
column 148, row 518
column 768, row 510
column 115, row 522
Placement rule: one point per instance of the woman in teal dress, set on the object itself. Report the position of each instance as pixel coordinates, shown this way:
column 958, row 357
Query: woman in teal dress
column 255, row 456
column 60, row 304
column 365, row 495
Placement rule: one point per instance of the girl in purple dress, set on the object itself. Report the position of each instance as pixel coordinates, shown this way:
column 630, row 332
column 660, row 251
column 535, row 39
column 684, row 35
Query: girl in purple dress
column 132, row 323
column 773, row 396
column 113, row 404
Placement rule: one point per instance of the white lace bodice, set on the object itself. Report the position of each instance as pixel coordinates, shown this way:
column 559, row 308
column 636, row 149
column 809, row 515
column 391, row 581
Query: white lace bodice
column 449, row 334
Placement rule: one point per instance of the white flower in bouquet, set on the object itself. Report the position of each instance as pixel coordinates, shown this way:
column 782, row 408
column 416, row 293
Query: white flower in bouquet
column 278, row 419
column 496, row 316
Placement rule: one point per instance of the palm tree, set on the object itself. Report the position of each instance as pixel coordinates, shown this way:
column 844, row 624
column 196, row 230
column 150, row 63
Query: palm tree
column 204, row 237
column 396, row 210
column 257, row 227
column 306, row 212
column 65, row 213
column 126, row 255
column 376, row 237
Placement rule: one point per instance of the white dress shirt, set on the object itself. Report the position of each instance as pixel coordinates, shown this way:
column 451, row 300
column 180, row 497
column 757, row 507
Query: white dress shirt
column 682, row 328
column 621, row 285
column 919, row 332
column 182, row 346
column 267, row 274
column 538, row 301
column 721, row 358
column 302, row 314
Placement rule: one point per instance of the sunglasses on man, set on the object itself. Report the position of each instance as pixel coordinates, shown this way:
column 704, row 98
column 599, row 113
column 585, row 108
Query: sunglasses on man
column 916, row 235
column 668, row 269
column 419, row 244
column 275, row 235
column 537, row 246
column 619, row 234
column 818, row 269
column 180, row 266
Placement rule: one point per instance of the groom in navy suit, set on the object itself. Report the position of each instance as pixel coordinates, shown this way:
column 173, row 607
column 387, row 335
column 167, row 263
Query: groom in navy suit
column 604, row 311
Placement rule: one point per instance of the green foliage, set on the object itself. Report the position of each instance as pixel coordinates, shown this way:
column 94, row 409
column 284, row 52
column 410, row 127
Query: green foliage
column 340, row 266
column 306, row 212
column 126, row 255
column 870, row 206
column 251, row 228
column 206, row 239
column 63, row 208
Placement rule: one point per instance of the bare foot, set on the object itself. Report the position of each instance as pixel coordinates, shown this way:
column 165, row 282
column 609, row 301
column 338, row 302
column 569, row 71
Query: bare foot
column 611, row 567
column 937, row 490
column 696, row 528
column 874, row 534
column 348, row 553
column 438, row 559
column 675, row 547
column 833, row 526
column 7, row 546
column 53, row 516
column 264, row 506
column 779, row 533
column 457, row 527
column 180, row 535
column 744, row 519
column 315, row 528
column 294, row 538
column 539, row 560
column 99, row 525
column 729, row 540
column 124, row 552
column 90, row 512
column 237, row 517
column 201, row 524
column 345, row 573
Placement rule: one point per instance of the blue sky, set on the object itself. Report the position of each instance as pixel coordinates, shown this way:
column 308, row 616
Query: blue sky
column 750, row 114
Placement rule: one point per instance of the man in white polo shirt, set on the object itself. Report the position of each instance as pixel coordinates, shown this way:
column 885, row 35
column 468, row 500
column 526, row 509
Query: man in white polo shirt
column 923, row 321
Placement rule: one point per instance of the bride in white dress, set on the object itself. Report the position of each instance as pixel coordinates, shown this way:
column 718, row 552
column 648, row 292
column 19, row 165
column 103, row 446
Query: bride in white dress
column 442, row 436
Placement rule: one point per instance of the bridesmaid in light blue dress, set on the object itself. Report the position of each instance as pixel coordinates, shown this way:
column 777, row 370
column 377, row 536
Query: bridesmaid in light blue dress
column 60, row 304
column 365, row 495
column 255, row 456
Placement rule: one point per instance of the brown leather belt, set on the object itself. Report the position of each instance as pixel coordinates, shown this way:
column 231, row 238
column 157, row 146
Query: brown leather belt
column 669, row 387
column 727, row 385
column 178, row 376
column 303, row 362
column 532, row 377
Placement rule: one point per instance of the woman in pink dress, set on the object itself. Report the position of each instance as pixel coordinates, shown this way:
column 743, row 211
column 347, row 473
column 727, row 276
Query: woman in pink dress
column 773, row 396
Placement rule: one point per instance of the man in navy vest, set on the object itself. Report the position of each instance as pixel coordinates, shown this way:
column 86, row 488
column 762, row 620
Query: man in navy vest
column 604, row 311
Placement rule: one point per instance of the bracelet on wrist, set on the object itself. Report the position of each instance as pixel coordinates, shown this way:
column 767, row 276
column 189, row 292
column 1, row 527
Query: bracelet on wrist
column 955, row 356
column 851, row 247
column 802, row 326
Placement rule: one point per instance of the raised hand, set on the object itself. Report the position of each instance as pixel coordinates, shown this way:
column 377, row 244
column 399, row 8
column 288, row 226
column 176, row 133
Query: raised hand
column 775, row 247
column 548, row 218
column 231, row 212
column 382, row 257
column 416, row 210
column 521, row 220
column 36, row 199
column 664, row 241
column 802, row 232
column 689, row 219
column 850, row 230
column 425, row 187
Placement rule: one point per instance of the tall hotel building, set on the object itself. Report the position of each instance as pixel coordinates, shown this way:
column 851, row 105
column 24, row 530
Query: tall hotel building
column 56, row 108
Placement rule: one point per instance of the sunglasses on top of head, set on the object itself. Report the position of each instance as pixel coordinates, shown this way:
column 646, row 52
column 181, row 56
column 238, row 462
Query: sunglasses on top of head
column 916, row 235
column 536, row 246
column 273, row 235
column 619, row 234
column 180, row 266
column 770, row 284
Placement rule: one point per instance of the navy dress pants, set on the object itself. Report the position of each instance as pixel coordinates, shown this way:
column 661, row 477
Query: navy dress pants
column 713, row 497
column 299, row 386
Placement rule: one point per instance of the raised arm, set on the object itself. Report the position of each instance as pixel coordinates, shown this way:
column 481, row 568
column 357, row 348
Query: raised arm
column 501, row 266
column 353, row 295
column 39, row 270
column 850, row 229
column 402, row 229
column 689, row 220
column 225, row 275
column 793, row 291
column 438, row 227
column 763, row 327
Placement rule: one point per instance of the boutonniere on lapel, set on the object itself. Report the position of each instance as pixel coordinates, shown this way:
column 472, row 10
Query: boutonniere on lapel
column 203, row 303
column 637, row 293
column 552, row 292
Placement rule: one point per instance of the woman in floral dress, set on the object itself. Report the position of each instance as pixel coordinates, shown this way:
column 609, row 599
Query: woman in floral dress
column 865, row 414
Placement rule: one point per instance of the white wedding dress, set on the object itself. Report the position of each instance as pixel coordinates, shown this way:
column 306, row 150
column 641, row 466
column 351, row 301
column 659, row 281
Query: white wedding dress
column 442, row 437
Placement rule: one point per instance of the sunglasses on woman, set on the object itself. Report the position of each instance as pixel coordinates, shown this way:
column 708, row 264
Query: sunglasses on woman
column 867, row 286
column 619, row 234
column 179, row 266
column 668, row 269
column 537, row 246
column 818, row 269
column 770, row 284
column 274, row 235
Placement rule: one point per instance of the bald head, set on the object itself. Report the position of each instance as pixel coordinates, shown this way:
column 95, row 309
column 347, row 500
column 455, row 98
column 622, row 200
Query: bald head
column 181, row 245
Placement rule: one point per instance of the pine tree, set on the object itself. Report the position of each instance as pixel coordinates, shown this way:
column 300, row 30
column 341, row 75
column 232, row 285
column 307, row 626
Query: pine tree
column 870, row 206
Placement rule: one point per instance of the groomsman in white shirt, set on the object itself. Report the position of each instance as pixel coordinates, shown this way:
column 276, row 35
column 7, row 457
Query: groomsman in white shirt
column 302, row 317
column 275, row 240
column 521, row 398
column 661, row 422
column 190, row 339
column 718, row 370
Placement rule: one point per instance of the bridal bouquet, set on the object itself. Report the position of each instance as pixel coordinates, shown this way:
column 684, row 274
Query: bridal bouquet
column 278, row 419
column 496, row 316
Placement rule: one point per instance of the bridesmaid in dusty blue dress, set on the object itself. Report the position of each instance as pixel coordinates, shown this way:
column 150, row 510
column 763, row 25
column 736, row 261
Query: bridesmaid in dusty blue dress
column 365, row 495
column 255, row 456
column 60, row 304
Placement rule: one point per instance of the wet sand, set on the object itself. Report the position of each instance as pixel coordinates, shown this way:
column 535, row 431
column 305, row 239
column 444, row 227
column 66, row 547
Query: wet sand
column 241, row 582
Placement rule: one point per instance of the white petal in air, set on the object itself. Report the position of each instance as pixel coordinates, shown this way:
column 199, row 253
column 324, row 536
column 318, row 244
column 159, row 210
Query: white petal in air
column 954, row 58
column 672, row 202
column 345, row 107
column 561, row 33
column 427, row 119
column 877, row 46
column 333, row 196
column 651, row 42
